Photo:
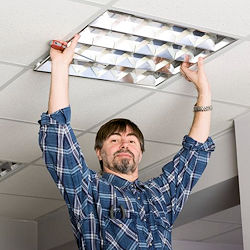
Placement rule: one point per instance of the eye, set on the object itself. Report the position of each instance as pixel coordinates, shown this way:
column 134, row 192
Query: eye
column 114, row 140
column 131, row 141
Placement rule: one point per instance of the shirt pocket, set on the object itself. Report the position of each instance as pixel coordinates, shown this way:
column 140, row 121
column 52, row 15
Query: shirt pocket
column 120, row 229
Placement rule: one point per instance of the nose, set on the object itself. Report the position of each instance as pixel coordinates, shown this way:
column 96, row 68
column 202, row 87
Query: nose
column 124, row 143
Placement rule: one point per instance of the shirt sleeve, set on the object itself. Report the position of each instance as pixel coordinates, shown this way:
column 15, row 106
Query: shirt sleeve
column 65, row 162
column 181, row 174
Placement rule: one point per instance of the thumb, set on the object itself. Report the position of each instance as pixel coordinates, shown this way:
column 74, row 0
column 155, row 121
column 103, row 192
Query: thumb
column 74, row 42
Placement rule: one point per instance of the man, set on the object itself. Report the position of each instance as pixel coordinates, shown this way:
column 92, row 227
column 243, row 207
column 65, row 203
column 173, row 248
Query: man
column 117, row 211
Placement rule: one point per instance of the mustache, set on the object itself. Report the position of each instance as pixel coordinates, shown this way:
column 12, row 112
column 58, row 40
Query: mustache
column 124, row 151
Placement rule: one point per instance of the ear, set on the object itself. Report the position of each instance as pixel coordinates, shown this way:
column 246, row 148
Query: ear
column 98, row 153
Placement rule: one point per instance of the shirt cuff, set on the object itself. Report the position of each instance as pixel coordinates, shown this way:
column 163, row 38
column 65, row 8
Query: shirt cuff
column 191, row 144
column 61, row 116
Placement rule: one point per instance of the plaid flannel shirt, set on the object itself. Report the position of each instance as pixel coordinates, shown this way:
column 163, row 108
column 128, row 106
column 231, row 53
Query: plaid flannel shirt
column 110, row 212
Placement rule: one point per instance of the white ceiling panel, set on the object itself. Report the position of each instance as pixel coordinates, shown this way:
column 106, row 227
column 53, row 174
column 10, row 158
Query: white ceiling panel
column 154, row 152
column 199, row 230
column 167, row 118
column 29, row 208
column 34, row 23
column 231, row 215
column 31, row 181
column 91, row 100
column 233, row 237
column 196, row 13
column 228, row 74
column 19, row 141
column 31, row 90
column 8, row 71
column 99, row 1
column 94, row 100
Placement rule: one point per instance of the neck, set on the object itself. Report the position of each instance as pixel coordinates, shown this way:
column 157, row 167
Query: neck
column 129, row 177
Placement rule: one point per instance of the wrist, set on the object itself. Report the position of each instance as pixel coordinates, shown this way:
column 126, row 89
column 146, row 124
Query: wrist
column 204, row 99
column 59, row 64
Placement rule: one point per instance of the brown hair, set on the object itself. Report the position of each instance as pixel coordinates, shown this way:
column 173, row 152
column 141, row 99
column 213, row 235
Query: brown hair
column 117, row 125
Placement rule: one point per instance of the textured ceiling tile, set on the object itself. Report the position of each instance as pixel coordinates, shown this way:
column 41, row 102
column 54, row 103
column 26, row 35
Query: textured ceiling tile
column 29, row 208
column 228, row 75
column 31, row 181
column 7, row 72
column 19, row 141
column 34, row 23
column 196, row 13
column 169, row 117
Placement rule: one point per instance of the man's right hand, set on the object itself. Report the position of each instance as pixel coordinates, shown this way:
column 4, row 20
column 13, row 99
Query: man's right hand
column 66, row 56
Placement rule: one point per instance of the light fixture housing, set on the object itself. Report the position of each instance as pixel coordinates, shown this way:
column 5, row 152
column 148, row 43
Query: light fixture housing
column 7, row 167
column 122, row 47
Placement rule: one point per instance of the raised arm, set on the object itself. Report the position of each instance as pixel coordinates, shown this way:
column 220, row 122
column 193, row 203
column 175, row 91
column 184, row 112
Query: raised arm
column 59, row 87
column 201, row 123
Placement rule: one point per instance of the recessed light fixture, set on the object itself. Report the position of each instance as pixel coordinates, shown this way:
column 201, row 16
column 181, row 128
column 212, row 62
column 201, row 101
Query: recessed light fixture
column 6, row 167
column 126, row 48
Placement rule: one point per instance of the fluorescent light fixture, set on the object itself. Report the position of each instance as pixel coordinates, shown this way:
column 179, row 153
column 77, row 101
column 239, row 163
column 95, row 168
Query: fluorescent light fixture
column 7, row 167
column 125, row 48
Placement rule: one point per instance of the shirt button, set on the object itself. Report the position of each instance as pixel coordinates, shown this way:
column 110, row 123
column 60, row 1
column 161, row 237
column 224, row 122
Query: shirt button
column 139, row 198
column 145, row 220
column 150, row 244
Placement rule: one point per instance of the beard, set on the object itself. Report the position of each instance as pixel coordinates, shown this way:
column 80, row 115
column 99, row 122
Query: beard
column 124, row 166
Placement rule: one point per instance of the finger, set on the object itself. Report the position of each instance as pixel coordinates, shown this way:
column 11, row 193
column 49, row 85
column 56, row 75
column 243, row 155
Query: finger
column 185, row 76
column 186, row 58
column 74, row 41
column 200, row 64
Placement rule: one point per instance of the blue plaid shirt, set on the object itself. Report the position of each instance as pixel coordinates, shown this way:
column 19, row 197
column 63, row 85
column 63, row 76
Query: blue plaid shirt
column 111, row 212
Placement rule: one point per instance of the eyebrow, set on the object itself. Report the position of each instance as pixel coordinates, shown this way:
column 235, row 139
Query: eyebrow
column 130, row 134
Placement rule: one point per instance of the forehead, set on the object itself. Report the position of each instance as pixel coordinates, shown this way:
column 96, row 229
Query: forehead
column 127, row 131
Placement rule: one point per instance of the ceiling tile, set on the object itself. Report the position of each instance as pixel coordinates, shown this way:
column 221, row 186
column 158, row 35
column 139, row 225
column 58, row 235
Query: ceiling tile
column 103, row 2
column 19, row 141
column 199, row 230
column 94, row 100
column 231, row 215
column 228, row 75
column 34, row 23
column 232, row 237
column 7, row 72
column 153, row 153
column 167, row 118
column 31, row 181
column 196, row 13
column 91, row 100
column 27, row 208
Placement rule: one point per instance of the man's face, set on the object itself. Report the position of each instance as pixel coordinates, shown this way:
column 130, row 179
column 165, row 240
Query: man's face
column 121, row 152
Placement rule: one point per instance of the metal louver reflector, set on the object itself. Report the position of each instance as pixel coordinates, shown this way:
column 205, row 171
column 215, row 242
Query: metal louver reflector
column 125, row 48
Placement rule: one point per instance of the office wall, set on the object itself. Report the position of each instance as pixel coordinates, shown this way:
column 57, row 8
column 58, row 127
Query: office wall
column 242, row 134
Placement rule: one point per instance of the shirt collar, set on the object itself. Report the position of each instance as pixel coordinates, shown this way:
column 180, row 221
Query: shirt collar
column 120, row 182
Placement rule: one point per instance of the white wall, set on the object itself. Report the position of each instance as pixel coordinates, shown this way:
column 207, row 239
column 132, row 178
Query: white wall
column 242, row 133
column 18, row 234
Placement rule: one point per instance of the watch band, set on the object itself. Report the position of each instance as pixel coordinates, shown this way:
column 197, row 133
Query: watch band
column 202, row 108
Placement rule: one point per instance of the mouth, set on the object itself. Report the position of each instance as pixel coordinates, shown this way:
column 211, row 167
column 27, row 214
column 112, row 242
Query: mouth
column 124, row 154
